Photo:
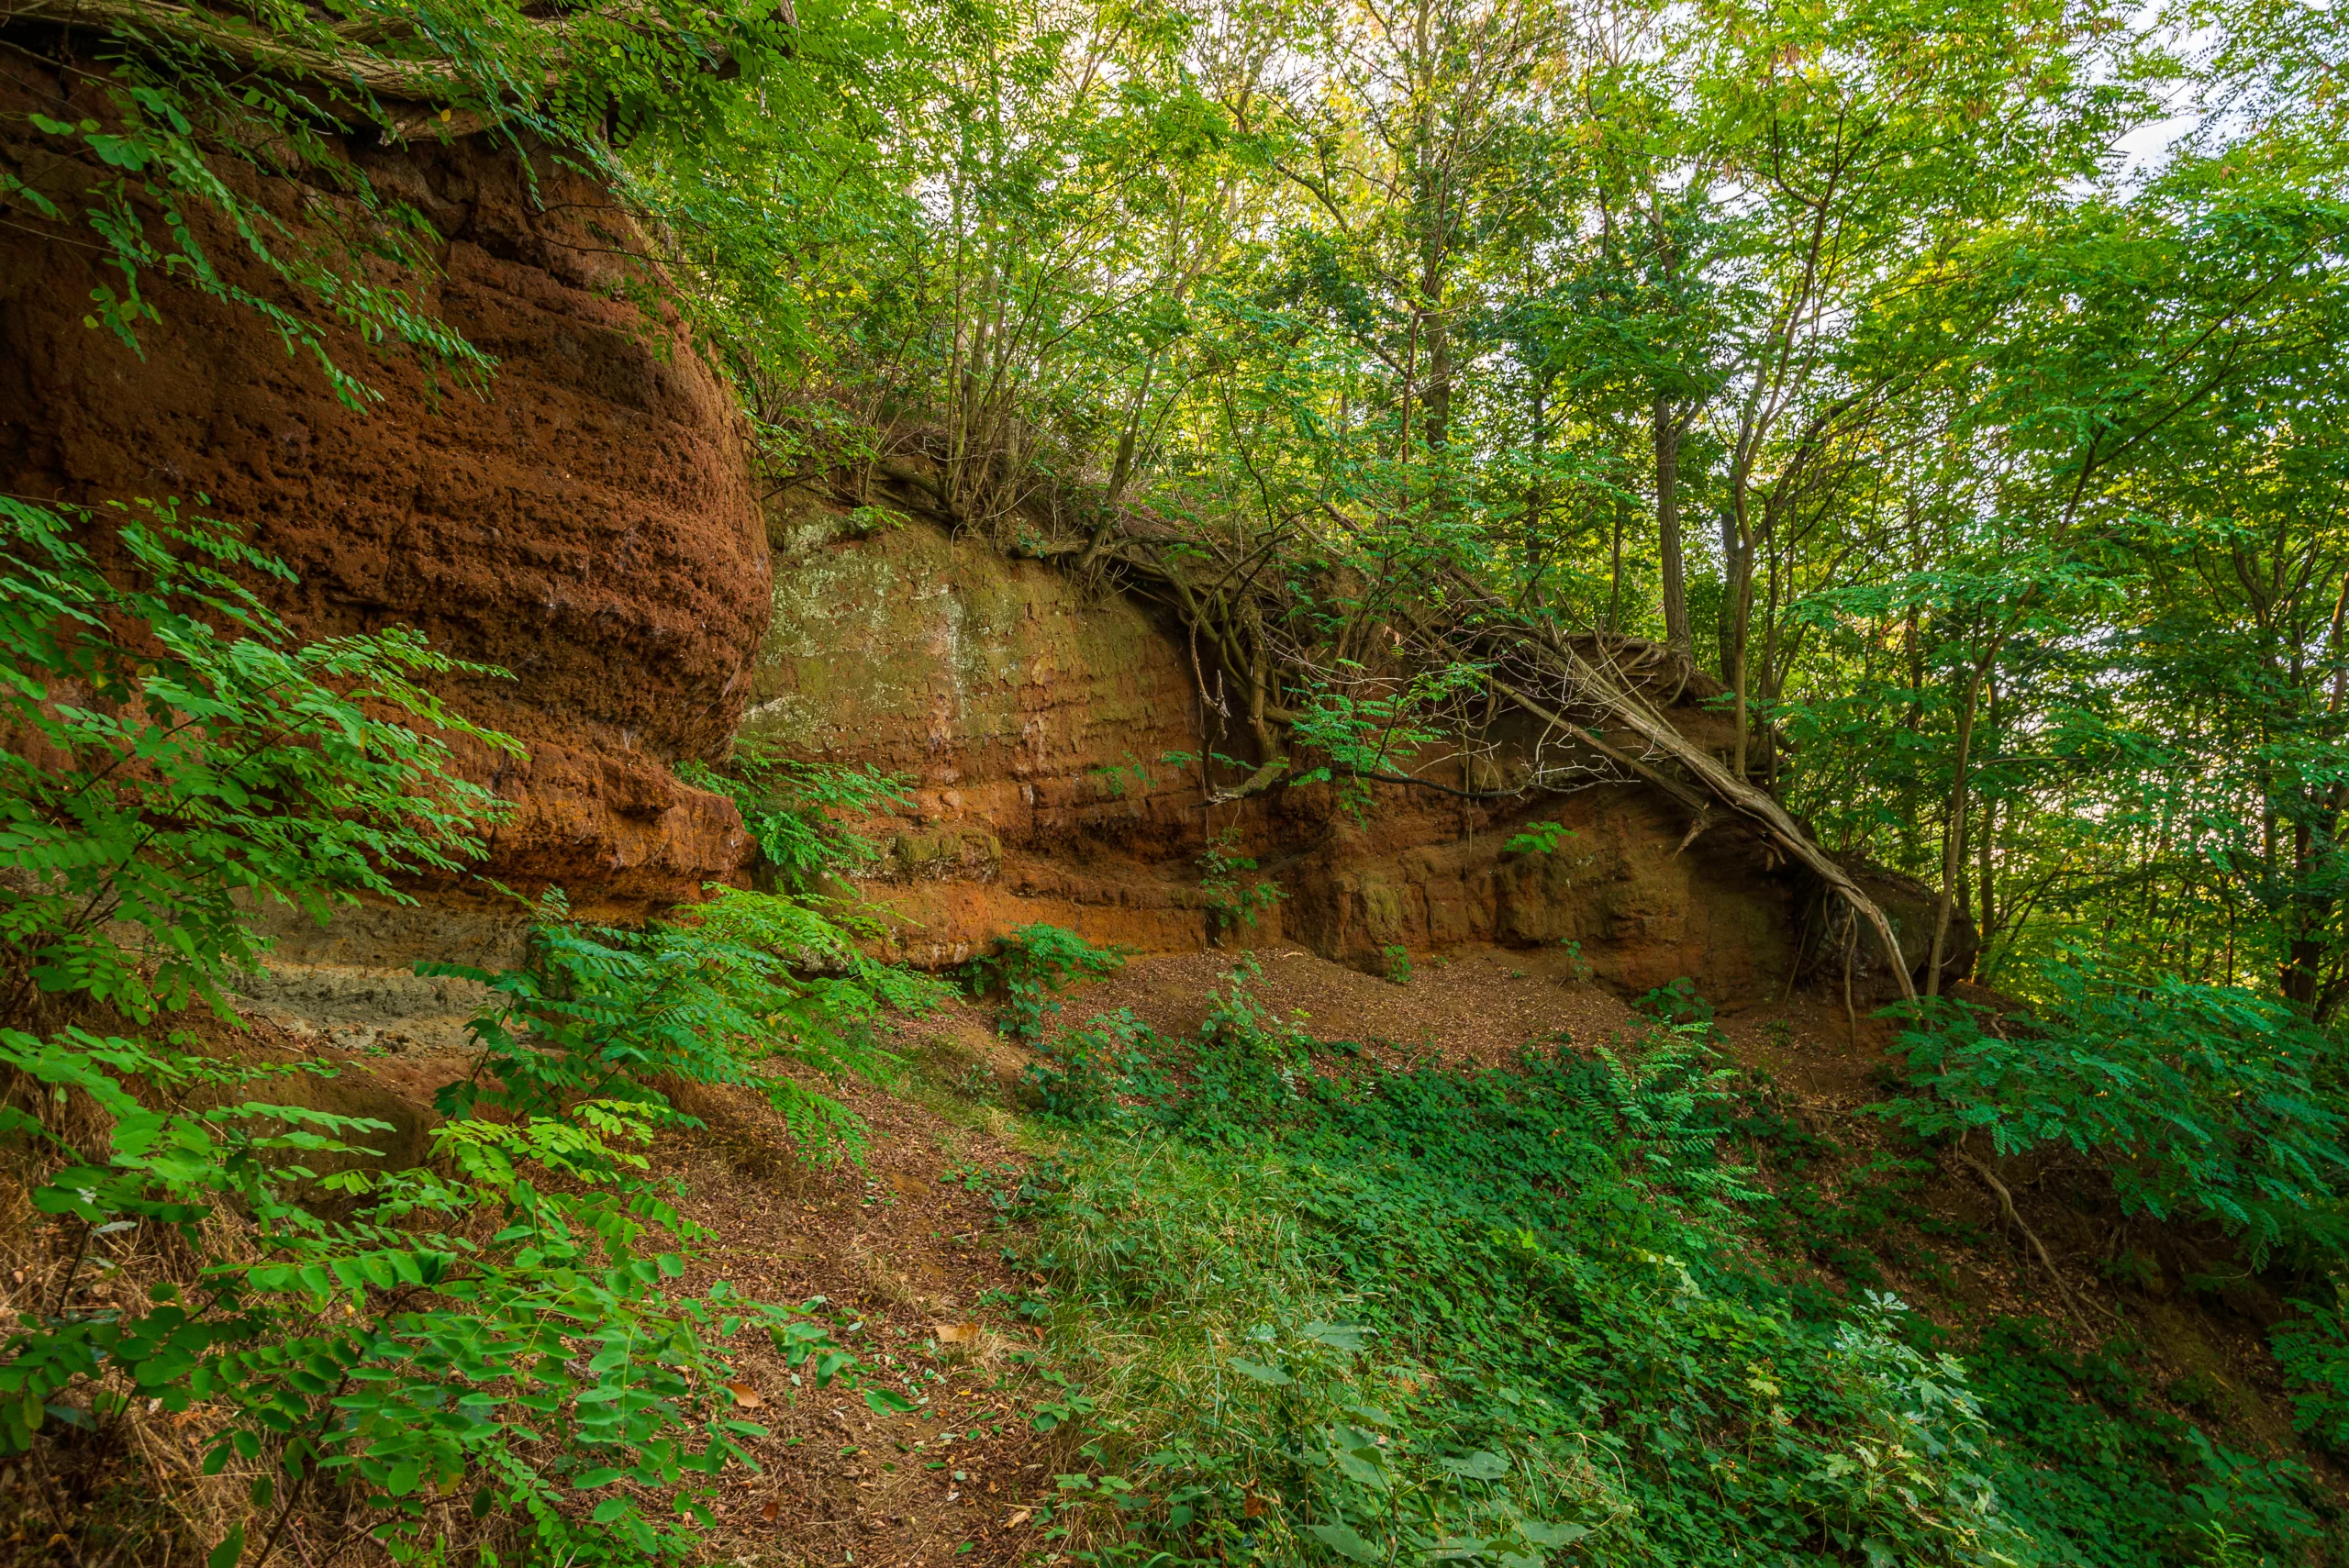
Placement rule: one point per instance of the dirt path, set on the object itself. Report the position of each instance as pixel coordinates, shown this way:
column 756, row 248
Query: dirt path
column 905, row 1249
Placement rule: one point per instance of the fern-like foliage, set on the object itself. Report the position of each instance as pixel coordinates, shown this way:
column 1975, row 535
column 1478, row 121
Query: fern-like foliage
column 2312, row 1348
column 171, row 144
column 1028, row 969
column 790, row 808
column 2202, row 1101
column 169, row 756
column 719, row 995
column 500, row 1323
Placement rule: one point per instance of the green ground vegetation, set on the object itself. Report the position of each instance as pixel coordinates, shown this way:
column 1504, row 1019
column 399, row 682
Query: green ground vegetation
column 1324, row 1311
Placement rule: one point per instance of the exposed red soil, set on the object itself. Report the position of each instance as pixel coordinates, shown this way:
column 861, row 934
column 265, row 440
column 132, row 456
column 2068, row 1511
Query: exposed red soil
column 906, row 1247
column 1041, row 722
column 1474, row 1006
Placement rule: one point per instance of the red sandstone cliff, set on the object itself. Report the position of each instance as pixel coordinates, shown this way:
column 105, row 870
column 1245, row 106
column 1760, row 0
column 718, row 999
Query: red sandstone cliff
column 588, row 523
column 1034, row 718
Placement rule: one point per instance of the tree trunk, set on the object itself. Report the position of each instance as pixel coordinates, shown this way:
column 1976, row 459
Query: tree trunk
column 1534, row 552
column 1615, row 572
column 1986, row 853
column 1437, row 399
column 1122, row 469
column 1985, row 868
column 1725, row 619
column 1669, row 556
column 1953, row 847
column 1737, row 615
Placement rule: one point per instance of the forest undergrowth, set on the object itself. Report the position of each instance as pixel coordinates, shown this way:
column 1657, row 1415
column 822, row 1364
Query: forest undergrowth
column 233, row 1314
column 1595, row 1307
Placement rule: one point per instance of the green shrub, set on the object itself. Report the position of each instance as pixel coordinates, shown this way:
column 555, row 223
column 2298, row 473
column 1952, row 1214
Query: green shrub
column 1086, row 1072
column 1538, row 839
column 2101, row 1477
column 607, row 1016
column 2203, row 1102
column 1232, row 902
column 1678, row 1004
column 170, row 758
column 1451, row 1316
column 1516, row 1317
column 2312, row 1348
column 788, row 809
column 1029, row 968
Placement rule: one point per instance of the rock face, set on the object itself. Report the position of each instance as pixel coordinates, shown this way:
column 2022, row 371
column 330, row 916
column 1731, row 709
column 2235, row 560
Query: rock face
column 1030, row 722
column 1036, row 726
column 587, row 521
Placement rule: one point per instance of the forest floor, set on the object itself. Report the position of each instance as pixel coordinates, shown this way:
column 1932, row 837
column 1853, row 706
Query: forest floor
column 911, row 1245
column 904, row 1247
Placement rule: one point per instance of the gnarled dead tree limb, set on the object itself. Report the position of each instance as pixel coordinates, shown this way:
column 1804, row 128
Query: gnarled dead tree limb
column 1625, row 707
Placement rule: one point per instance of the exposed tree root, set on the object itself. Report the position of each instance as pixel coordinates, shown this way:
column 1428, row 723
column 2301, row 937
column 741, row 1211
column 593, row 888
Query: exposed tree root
column 2007, row 1207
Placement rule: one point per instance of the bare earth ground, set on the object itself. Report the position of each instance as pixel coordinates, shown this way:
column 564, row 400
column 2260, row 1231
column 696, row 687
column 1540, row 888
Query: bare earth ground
column 909, row 1256
column 1476, row 1006
column 906, row 1246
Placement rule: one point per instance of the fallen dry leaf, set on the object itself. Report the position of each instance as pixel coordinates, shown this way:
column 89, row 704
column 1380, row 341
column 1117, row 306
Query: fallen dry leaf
column 956, row 1333
column 768, row 1512
column 1019, row 1517
column 744, row 1394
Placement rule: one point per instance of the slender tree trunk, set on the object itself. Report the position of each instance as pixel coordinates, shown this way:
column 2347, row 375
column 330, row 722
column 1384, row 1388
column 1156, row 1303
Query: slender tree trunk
column 2308, row 913
column 1985, row 864
column 1738, row 614
column 2299, row 976
column 1725, row 619
column 1669, row 555
column 1986, row 853
column 1122, row 469
column 1953, row 847
column 1772, row 674
column 1436, row 401
column 1912, row 639
column 1615, row 572
column 1533, row 543
column 1411, row 391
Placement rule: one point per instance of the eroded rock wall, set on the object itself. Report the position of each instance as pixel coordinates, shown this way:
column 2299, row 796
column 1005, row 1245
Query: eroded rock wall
column 1034, row 719
column 586, row 521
